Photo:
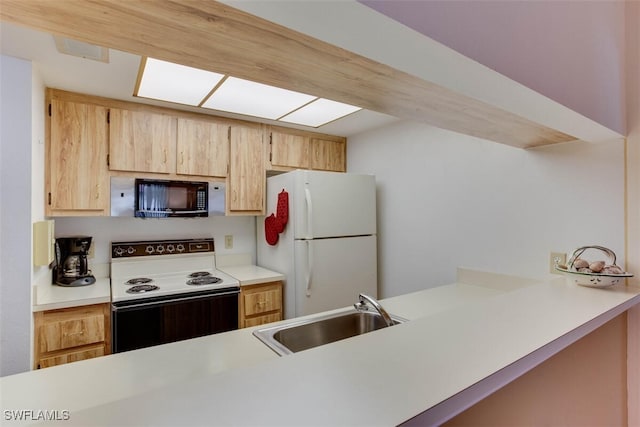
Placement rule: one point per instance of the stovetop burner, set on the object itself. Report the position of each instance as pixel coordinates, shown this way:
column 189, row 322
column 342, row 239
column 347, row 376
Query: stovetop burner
column 200, row 274
column 138, row 289
column 138, row 281
column 206, row 280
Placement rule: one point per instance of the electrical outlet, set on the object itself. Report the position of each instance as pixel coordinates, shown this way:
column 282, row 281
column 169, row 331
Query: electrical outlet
column 228, row 241
column 556, row 258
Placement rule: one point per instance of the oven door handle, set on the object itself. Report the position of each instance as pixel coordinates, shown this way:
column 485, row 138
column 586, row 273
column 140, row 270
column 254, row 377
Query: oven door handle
column 165, row 301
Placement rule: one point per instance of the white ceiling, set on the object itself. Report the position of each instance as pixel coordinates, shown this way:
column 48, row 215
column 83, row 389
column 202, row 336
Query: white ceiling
column 117, row 78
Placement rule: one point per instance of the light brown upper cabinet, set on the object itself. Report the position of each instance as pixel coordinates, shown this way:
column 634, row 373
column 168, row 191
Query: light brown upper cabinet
column 296, row 149
column 246, row 180
column 203, row 148
column 289, row 150
column 77, row 177
column 328, row 155
column 140, row 141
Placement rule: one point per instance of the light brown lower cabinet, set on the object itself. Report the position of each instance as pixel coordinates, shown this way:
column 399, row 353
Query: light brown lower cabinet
column 71, row 334
column 72, row 356
column 260, row 304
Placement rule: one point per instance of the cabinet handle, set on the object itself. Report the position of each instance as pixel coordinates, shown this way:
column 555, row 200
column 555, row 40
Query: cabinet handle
column 182, row 158
column 164, row 152
column 74, row 333
column 97, row 191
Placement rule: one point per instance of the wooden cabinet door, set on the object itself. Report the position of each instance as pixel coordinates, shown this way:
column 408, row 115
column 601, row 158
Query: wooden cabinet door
column 263, row 320
column 260, row 303
column 246, row 180
column 328, row 155
column 78, row 175
column 263, row 301
column 72, row 356
column 288, row 150
column 69, row 334
column 140, row 141
column 203, row 148
column 69, row 330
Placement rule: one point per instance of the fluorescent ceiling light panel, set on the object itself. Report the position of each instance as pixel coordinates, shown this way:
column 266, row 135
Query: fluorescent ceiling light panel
column 171, row 82
column 255, row 99
column 320, row 112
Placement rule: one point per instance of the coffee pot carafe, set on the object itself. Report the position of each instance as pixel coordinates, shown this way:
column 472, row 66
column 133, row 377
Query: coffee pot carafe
column 72, row 266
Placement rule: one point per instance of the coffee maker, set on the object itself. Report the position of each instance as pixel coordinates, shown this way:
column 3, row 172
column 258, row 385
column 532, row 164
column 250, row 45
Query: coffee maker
column 72, row 267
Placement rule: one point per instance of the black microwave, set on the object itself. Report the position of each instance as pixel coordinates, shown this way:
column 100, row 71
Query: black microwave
column 165, row 199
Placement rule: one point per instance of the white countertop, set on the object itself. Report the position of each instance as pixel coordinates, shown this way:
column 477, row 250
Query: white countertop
column 50, row 297
column 460, row 338
column 251, row 274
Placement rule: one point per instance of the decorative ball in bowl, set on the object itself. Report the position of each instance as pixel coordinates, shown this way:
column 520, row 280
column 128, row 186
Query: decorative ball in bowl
column 596, row 273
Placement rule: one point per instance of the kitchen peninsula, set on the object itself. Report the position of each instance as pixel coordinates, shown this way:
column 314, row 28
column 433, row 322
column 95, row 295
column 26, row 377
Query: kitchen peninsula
column 462, row 342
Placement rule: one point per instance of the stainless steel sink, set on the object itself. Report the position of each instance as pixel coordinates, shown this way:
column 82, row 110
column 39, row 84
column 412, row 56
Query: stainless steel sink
column 301, row 335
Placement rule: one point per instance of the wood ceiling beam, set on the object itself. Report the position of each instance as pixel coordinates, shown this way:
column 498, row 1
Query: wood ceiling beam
column 212, row 36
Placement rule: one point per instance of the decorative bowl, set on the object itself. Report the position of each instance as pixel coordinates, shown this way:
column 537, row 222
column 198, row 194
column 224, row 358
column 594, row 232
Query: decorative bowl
column 592, row 279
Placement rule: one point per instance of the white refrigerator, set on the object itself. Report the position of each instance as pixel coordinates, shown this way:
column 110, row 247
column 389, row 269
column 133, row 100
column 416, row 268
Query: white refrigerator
column 327, row 250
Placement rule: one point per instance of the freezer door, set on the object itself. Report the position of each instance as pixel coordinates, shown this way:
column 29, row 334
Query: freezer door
column 331, row 204
column 331, row 273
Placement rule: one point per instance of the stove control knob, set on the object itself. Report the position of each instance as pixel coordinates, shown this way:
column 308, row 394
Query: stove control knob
column 131, row 250
column 180, row 247
column 159, row 249
column 170, row 248
column 118, row 251
column 149, row 249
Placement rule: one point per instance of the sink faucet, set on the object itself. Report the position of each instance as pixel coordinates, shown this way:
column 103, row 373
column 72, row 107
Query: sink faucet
column 361, row 305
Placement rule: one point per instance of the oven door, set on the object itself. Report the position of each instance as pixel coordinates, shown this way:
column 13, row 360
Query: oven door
column 152, row 321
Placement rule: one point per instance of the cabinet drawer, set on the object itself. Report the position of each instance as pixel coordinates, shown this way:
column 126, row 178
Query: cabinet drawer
column 263, row 301
column 68, row 333
column 262, row 320
column 72, row 356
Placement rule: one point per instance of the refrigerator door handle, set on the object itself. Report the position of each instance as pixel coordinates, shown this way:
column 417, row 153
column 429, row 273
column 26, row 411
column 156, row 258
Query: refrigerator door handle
column 309, row 267
column 307, row 198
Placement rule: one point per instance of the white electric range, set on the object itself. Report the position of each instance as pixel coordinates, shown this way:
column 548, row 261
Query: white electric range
column 156, row 268
column 169, row 290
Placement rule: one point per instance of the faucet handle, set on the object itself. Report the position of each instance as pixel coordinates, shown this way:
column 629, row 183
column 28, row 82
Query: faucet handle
column 361, row 306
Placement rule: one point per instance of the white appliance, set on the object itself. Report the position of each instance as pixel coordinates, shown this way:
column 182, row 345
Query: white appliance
column 327, row 250
column 168, row 290
column 151, row 269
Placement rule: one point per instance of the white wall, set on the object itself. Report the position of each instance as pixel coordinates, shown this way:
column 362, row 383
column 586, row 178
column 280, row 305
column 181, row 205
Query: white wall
column 447, row 200
column 106, row 230
column 39, row 274
column 15, row 218
column 37, row 144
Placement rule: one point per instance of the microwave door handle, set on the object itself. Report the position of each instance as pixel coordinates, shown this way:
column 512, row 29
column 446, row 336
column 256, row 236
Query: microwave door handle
column 150, row 201
column 142, row 198
column 165, row 201
column 154, row 199
column 148, row 196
